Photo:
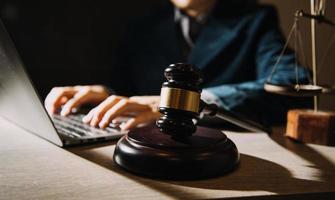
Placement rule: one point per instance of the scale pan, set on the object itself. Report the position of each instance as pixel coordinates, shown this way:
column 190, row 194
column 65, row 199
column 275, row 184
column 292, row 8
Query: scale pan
column 300, row 90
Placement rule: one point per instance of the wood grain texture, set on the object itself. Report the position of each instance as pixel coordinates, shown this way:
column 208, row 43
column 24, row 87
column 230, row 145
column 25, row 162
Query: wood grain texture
column 31, row 168
column 313, row 127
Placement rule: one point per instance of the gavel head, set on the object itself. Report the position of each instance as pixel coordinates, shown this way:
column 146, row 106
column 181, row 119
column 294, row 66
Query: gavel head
column 180, row 99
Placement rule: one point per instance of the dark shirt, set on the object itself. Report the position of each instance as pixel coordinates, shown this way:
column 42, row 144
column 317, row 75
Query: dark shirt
column 236, row 51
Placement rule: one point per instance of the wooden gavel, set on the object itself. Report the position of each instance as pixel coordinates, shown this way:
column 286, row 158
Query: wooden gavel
column 175, row 148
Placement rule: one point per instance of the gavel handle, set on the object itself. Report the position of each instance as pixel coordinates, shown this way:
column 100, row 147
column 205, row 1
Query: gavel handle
column 214, row 110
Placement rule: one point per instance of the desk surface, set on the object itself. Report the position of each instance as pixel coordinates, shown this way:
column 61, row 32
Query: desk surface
column 31, row 168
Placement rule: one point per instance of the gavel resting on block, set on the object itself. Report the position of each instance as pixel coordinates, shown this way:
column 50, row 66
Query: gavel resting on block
column 176, row 148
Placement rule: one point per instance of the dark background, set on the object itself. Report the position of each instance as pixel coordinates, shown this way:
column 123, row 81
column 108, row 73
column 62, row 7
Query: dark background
column 67, row 42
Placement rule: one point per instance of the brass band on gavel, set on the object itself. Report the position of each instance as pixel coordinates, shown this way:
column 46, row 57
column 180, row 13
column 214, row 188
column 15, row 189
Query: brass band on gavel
column 180, row 99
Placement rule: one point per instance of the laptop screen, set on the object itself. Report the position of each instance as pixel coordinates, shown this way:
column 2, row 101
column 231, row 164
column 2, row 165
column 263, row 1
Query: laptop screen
column 19, row 102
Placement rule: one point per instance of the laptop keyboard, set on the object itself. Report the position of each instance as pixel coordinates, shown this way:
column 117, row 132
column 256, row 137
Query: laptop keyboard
column 73, row 126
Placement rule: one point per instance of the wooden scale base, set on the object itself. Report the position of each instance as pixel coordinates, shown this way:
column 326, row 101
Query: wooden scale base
column 309, row 126
column 149, row 152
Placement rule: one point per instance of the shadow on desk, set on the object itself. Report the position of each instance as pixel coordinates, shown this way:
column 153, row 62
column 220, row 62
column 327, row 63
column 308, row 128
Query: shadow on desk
column 306, row 152
column 254, row 174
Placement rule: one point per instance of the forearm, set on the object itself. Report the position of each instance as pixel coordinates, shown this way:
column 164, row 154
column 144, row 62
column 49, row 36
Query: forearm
column 250, row 100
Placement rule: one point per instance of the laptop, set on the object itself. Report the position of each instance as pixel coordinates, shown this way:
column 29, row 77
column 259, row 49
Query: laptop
column 20, row 104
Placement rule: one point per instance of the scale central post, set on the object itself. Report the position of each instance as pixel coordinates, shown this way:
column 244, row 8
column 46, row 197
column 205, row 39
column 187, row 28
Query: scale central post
column 314, row 3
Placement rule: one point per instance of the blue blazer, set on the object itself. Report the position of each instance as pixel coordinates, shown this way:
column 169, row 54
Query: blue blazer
column 235, row 51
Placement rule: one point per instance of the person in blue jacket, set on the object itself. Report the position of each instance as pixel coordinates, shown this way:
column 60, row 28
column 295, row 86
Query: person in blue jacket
column 235, row 43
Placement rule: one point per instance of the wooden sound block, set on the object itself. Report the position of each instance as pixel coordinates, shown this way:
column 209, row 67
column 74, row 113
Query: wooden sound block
column 149, row 152
column 311, row 127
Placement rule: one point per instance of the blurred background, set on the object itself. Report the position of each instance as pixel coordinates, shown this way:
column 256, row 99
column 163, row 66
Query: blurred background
column 68, row 42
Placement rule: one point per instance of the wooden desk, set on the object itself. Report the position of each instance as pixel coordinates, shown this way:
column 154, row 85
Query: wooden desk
column 31, row 168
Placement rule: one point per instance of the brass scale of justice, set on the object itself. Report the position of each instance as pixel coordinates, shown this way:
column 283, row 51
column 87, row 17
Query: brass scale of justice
column 175, row 148
column 298, row 89
column 306, row 125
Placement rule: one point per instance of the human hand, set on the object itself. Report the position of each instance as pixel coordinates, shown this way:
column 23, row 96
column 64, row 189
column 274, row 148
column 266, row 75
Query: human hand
column 143, row 109
column 72, row 97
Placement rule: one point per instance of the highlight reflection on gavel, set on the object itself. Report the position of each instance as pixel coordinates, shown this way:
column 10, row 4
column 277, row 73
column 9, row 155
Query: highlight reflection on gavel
column 181, row 104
